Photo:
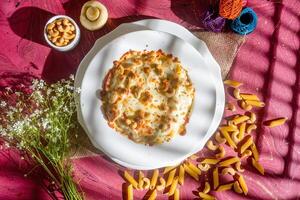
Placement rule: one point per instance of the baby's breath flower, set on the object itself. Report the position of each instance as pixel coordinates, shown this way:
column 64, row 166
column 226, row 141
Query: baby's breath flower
column 78, row 90
column 3, row 104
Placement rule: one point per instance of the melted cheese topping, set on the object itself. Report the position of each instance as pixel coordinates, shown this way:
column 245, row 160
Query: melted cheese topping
column 147, row 96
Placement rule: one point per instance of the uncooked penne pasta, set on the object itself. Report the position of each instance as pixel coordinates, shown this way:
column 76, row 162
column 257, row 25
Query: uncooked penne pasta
column 246, row 143
column 168, row 169
column 228, row 139
column 173, row 186
column 206, row 187
column 146, row 181
column 228, row 170
column 238, row 167
column 191, row 172
column 129, row 192
column 162, row 184
column 219, row 138
column 181, row 175
column 228, row 128
column 249, row 97
column 194, row 168
column 211, row 146
column 237, row 188
column 242, row 131
column 203, row 167
column 205, row 196
column 275, row 122
column 232, row 83
column 221, row 153
column 141, row 182
column 246, row 154
column 153, row 195
column 154, row 179
column 171, row 177
column 225, row 187
column 176, row 194
column 236, row 94
column 242, row 183
column 258, row 166
column 211, row 161
column 255, row 103
column 254, row 152
column 216, row 177
column 130, row 179
column 250, row 128
column 240, row 119
column 229, row 161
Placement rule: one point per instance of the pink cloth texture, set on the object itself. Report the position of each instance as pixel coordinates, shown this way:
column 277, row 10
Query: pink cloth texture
column 268, row 64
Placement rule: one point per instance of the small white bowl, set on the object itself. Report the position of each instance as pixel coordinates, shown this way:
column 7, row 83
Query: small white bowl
column 69, row 46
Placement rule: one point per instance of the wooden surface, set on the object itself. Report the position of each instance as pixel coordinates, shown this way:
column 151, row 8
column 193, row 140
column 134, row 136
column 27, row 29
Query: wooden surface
column 268, row 64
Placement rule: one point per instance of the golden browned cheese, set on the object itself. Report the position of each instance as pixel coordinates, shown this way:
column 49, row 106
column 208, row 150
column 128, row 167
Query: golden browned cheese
column 147, row 96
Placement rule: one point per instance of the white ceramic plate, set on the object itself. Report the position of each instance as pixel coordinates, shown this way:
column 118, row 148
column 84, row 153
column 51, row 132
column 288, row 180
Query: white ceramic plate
column 117, row 145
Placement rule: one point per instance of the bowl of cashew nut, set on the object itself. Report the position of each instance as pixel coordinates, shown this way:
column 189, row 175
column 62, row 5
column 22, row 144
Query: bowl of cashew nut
column 62, row 33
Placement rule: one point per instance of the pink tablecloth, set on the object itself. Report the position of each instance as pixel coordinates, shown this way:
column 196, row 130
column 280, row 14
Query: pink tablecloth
column 268, row 63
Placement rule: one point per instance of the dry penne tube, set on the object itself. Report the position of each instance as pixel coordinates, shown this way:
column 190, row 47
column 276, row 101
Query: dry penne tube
column 130, row 179
column 162, row 184
column 228, row 139
column 206, row 187
column 242, row 183
column 225, row 187
column 229, row 161
column 168, row 169
column 246, row 143
column 141, row 182
column 219, row 138
column 153, row 195
column 146, row 185
column 234, row 136
column 171, row 177
column 252, row 117
column 211, row 161
column 205, row 196
column 250, row 128
column 232, row 83
column 238, row 167
column 230, row 106
column 211, row 146
column 173, row 186
column 237, row 188
column 181, row 175
column 240, row 119
column 129, row 192
column 191, row 172
column 236, row 94
column 221, row 153
column 176, row 194
column 254, row 152
column 245, row 106
column 249, row 97
column 259, row 104
column 242, row 129
column 228, row 170
column 154, row 179
column 258, row 166
column 228, row 128
column 203, row 167
column 275, row 122
column 216, row 177
column 194, row 168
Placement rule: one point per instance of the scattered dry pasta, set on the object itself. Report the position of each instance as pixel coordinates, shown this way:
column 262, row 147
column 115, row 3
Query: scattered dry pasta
column 228, row 170
column 181, row 175
column 171, row 177
column 211, row 161
column 129, row 192
column 246, row 143
column 242, row 129
column 254, row 152
column 191, row 172
column 204, row 167
column 251, row 97
column 162, row 184
column 154, row 179
column 258, row 166
column 228, row 139
column 229, row 161
column 153, row 195
column 255, row 103
column 141, row 182
column 242, row 183
column 206, row 196
column 238, row 167
column 146, row 181
column 237, row 188
column 232, row 83
column 167, row 169
column 250, row 128
column 173, row 186
column 225, row 187
column 275, row 122
column 245, row 106
column 246, row 154
column 230, row 106
column 206, row 187
column 221, row 153
column 130, row 179
column 219, row 138
column 236, row 94
column 176, row 194
column 240, row 119
column 194, row 168
column 211, row 146
column 216, row 177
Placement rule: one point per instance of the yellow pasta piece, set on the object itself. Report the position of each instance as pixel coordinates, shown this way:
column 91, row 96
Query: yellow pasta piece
column 130, row 179
column 153, row 195
column 141, row 182
column 216, row 177
column 240, row 119
column 206, row 187
column 146, row 181
column 219, row 138
column 228, row 139
column 237, row 188
column 255, row 103
column 254, row 151
column 171, row 177
column 167, row 169
column 222, row 152
column 211, row 146
column 191, row 172
column 246, row 142
column 232, row 83
column 173, row 186
column 228, row 170
column 154, row 179
column 238, row 167
column 252, row 97
column 236, row 94
column 193, row 157
column 225, row 187
column 252, row 117
column 206, row 196
column 242, row 131
column 245, row 106
column 275, row 122
column 129, row 192
column 251, row 128
column 162, row 184
column 176, row 194
column 258, row 166
column 246, row 154
column 203, row 167
column 211, row 161
column 230, row 106
column 242, row 183
column 228, row 128
column 194, row 168
column 234, row 136
column 181, row 175
column 229, row 161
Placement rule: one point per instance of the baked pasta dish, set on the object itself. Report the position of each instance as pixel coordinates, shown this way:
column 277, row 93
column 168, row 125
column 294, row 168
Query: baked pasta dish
column 147, row 96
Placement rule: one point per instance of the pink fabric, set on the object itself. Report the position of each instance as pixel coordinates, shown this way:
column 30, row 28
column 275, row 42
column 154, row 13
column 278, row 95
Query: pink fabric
column 268, row 64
